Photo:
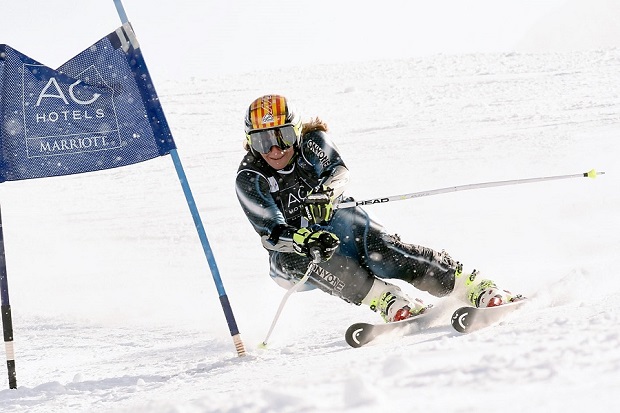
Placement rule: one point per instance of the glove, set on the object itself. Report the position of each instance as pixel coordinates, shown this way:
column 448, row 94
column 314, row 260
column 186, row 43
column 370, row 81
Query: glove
column 318, row 205
column 318, row 245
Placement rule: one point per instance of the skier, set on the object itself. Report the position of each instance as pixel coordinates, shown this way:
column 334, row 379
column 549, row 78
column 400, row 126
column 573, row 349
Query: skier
column 288, row 183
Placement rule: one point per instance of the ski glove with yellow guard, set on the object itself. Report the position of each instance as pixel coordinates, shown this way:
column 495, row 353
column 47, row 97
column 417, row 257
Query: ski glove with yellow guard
column 318, row 244
column 319, row 205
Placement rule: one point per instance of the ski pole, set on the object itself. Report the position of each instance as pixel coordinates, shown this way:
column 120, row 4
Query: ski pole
column 350, row 204
column 290, row 291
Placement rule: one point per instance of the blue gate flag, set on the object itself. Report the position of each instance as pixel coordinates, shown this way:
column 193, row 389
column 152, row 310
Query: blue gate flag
column 97, row 111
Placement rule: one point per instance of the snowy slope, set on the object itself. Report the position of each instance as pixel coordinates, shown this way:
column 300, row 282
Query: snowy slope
column 114, row 308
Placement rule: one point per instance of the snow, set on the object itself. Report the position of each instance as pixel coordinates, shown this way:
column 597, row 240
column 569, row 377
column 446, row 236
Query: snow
column 193, row 38
column 115, row 310
column 574, row 25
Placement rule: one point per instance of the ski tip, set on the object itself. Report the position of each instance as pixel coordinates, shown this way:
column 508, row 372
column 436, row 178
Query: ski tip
column 358, row 335
column 593, row 174
column 461, row 319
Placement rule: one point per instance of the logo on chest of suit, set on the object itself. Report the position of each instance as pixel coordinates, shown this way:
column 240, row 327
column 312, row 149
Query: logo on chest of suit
column 292, row 199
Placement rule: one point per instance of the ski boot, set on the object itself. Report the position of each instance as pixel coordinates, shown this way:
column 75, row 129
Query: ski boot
column 392, row 303
column 484, row 293
column 396, row 307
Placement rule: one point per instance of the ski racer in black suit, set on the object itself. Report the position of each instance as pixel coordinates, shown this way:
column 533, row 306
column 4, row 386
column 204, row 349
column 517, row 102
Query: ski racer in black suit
column 288, row 183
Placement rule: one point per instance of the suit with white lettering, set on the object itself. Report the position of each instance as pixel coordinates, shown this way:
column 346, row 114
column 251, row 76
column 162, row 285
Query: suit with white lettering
column 273, row 202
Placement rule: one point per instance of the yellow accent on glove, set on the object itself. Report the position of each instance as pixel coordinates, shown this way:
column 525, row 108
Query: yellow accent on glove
column 319, row 205
column 319, row 244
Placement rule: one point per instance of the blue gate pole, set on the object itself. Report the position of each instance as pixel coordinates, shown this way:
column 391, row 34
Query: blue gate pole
column 7, row 322
column 230, row 318
column 228, row 313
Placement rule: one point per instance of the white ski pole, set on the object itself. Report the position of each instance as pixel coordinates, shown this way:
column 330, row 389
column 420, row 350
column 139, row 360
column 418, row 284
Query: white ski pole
column 290, row 291
column 350, row 204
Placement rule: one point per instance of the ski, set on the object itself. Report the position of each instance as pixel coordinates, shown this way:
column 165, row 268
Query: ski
column 468, row 319
column 360, row 334
column 464, row 320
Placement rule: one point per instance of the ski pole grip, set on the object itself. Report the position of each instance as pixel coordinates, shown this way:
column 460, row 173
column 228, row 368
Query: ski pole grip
column 316, row 255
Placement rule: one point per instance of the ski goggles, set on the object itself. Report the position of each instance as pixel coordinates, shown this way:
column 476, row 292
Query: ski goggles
column 262, row 140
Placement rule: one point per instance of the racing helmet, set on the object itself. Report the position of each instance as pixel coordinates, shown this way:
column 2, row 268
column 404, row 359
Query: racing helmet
column 272, row 121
